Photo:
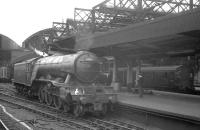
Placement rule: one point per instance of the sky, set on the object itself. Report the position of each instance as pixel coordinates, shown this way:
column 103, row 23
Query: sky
column 21, row 18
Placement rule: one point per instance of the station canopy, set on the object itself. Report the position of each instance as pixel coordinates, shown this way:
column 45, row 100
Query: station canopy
column 7, row 44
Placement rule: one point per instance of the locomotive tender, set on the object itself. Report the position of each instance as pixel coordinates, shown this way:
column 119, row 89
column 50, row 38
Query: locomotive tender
column 65, row 81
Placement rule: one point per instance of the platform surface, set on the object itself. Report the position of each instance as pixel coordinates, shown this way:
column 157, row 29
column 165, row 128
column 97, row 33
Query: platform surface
column 182, row 105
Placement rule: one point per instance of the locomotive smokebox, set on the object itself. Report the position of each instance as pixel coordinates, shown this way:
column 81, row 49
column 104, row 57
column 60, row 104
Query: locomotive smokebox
column 87, row 67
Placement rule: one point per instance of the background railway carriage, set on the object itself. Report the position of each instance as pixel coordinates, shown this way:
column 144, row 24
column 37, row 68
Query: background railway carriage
column 5, row 74
column 197, row 72
column 174, row 77
column 197, row 81
column 65, row 81
column 159, row 77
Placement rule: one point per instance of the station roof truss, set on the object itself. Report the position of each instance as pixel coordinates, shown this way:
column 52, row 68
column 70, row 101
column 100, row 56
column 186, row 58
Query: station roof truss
column 65, row 29
column 112, row 14
column 107, row 15
column 40, row 39
column 165, row 36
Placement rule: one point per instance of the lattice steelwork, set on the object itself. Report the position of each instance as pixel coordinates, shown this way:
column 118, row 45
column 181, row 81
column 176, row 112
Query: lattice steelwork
column 40, row 39
column 64, row 30
column 109, row 14
column 118, row 13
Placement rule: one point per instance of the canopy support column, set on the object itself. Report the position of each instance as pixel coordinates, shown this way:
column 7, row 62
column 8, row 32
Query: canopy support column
column 138, row 82
column 114, row 83
column 129, row 74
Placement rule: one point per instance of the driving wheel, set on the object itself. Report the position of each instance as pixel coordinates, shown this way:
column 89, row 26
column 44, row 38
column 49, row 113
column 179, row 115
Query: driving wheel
column 41, row 95
column 57, row 102
column 78, row 110
column 110, row 107
column 66, row 107
column 104, row 109
column 49, row 99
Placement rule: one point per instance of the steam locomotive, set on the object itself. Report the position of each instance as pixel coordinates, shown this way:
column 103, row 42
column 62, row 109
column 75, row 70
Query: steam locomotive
column 67, row 82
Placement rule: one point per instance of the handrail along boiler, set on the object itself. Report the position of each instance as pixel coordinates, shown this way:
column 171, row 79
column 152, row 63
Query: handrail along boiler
column 65, row 81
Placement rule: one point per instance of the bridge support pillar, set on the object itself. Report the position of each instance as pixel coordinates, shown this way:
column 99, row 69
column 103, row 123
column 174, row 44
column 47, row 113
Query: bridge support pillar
column 129, row 81
column 114, row 83
column 139, row 79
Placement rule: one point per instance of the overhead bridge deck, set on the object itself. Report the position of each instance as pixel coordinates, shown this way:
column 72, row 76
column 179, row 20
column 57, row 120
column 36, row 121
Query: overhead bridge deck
column 164, row 35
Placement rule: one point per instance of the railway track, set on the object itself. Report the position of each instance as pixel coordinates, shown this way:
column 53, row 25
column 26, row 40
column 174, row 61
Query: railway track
column 71, row 121
column 10, row 122
column 116, row 124
column 5, row 122
column 144, row 117
column 125, row 124
column 122, row 107
column 24, row 105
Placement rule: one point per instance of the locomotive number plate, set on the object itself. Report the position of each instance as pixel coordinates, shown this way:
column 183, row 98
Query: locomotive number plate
column 97, row 106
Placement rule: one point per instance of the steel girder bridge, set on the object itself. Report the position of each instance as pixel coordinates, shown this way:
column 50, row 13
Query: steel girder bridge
column 112, row 14
column 108, row 15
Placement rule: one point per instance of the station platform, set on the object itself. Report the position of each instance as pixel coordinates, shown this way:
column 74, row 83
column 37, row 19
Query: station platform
column 180, row 105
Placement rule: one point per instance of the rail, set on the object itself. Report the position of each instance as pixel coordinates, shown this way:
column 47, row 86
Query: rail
column 50, row 112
